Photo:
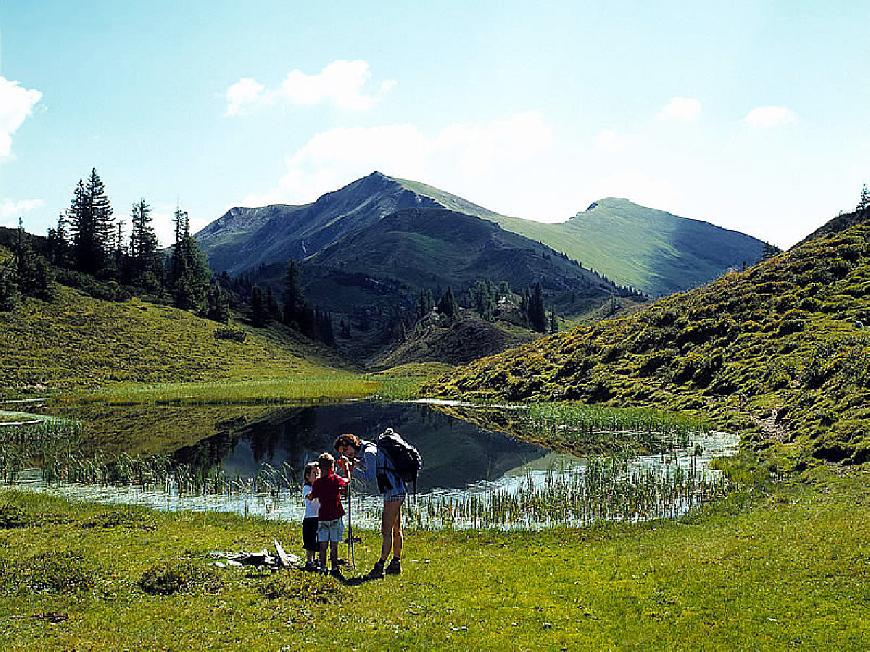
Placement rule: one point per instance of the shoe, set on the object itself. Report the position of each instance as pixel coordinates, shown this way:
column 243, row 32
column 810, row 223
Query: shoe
column 377, row 573
column 311, row 566
column 394, row 567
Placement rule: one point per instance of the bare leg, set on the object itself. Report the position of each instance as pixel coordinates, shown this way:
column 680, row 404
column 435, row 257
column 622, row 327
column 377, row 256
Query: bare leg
column 323, row 554
column 333, row 554
column 397, row 533
column 388, row 520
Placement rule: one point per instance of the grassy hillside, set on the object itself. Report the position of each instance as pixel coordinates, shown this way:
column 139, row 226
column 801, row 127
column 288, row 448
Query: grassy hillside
column 648, row 249
column 76, row 341
column 782, row 349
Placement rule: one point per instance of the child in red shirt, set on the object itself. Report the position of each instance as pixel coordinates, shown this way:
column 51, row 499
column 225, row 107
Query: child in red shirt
column 328, row 489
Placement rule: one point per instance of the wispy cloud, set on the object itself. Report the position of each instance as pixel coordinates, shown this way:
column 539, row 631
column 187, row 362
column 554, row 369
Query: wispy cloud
column 459, row 155
column 10, row 210
column 16, row 103
column 765, row 117
column 681, row 108
column 341, row 84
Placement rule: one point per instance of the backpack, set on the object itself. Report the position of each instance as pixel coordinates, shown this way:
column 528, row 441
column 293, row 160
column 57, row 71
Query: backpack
column 405, row 458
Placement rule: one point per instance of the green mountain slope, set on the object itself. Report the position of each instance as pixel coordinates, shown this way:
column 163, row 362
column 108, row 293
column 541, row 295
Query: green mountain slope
column 783, row 345
column 648, row 249
column 76, row 341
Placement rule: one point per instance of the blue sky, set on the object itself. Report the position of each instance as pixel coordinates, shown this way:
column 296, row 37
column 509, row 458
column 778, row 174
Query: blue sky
column 753, row 115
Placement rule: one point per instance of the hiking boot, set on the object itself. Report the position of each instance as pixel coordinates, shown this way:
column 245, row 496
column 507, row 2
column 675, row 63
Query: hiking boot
column 377, row 573
column 394, row 567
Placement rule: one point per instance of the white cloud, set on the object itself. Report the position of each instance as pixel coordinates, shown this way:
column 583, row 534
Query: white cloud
column 10, row 210
column 459, row 156
column 612, row 141
column 341, row 84
column 770, row 116
column 16, row 103
column 243, row 93
column 681, row 108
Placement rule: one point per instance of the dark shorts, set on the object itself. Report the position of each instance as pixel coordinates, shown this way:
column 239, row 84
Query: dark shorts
column 309, row 534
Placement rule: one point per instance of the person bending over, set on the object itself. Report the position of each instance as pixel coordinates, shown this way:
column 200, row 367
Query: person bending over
column 372, row 464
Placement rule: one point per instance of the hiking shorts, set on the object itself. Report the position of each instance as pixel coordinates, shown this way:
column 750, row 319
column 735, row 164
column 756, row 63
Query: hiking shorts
column 330, row 531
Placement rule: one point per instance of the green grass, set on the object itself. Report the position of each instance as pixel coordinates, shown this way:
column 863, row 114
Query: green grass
column 77, row 342
column 772, row 568
column 778, row 353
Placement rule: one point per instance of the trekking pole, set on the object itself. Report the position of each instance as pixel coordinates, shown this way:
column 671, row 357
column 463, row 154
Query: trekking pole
column 350, row 524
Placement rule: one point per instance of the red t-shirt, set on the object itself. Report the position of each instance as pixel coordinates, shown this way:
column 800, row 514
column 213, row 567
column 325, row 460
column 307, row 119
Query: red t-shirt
column 328, row 490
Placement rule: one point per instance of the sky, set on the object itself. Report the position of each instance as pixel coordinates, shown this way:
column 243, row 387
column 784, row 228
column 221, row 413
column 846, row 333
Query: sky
column 750, row 115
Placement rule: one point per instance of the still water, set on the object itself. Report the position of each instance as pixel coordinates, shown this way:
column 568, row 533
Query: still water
column 249, row 461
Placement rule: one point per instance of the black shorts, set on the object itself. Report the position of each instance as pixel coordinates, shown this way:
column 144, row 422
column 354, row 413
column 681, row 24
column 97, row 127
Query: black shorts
column 309, row 534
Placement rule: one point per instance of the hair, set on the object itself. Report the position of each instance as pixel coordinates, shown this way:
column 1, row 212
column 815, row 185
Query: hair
column 326, row 461
column 347, row 440
column 308, row 468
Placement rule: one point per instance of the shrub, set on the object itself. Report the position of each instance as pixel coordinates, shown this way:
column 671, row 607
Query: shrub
column 48, row 572
column 233, row 334
column 167, row 578
column 305, row 587
column 12, row 516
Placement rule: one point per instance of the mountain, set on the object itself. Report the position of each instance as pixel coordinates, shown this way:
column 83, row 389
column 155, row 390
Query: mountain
column 779, row 352
column 429, row 248
column 647, row 249
column 245, row 238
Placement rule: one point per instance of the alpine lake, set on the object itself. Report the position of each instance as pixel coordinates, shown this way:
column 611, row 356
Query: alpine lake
column 481, row 468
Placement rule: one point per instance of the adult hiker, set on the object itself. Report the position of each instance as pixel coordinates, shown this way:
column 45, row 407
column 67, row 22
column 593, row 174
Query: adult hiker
column 383, row 463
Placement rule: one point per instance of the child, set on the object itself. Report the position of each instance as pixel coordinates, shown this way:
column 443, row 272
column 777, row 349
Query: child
column 309, row 523
column 328, row 489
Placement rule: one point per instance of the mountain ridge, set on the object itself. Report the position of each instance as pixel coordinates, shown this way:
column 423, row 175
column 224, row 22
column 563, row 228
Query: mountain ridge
column 677, row 254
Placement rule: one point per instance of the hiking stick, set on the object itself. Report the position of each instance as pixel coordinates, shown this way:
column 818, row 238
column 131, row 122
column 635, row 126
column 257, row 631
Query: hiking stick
column 350, row 524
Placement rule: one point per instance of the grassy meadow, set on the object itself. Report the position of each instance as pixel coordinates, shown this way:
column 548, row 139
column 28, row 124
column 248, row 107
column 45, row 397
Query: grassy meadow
column 770, row 567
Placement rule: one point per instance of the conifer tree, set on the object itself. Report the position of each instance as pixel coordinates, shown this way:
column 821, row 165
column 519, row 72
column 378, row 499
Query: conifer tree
column 259, row 316
column 537, row 313
column 9, row 295
column 218, row 304
column 58, row 242
column 554, row 323
column 189, row 274
column 447, row 305
column 91, row 226
column 295, row 313
column 864, row 199
column 146, row 268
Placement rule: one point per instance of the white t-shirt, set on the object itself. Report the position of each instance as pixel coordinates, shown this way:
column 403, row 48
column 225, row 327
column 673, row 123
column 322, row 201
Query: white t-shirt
column 312, row 507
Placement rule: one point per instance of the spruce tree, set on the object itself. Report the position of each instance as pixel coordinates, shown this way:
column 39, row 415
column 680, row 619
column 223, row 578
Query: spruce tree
column 218, row 304
column 146, row 268
column 9, row 295
column 864, row 199
column 91, row 226
column 554, row 323
column 296, row 310
column 447, row 305
column 537, row 313
column 259, row 315
column 189, row 274
column 58, row 242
